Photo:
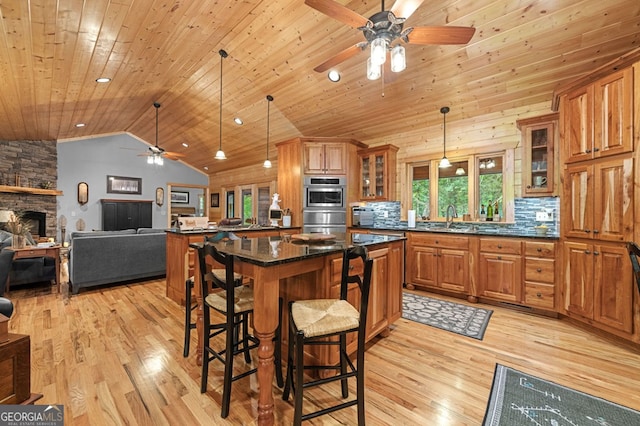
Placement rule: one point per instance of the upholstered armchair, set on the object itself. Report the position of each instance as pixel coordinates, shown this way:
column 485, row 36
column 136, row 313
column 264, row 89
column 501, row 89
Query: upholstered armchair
column 31, row 270
column 6, row 258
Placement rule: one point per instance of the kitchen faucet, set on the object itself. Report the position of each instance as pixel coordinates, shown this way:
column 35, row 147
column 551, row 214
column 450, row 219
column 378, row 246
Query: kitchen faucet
column 452, row 216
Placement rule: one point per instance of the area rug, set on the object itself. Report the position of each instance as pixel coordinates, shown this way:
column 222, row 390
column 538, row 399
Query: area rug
column 455, row 317
column 520, row 399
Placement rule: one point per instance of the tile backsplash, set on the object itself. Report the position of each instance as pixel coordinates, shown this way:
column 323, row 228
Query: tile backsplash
column 387, row 216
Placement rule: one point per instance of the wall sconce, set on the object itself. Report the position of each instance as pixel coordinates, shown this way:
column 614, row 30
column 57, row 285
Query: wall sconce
column 83, row 193
column 159, row 196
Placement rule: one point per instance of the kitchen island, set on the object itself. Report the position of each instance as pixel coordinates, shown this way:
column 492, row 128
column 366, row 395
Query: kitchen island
column 279, row 267
column 181, row 259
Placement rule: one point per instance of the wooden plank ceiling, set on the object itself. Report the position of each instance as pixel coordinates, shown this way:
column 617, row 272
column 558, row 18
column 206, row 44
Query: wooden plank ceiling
column 51, row 53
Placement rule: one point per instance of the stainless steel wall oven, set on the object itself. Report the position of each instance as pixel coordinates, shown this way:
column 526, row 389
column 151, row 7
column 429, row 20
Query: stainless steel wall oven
column 324, row 204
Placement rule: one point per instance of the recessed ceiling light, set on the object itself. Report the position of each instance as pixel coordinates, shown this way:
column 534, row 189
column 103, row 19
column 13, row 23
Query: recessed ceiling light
column 80, row 125
column 206, row 167
column 186, row 145
column 238, row 121
column 334, row 76
column 103, row 80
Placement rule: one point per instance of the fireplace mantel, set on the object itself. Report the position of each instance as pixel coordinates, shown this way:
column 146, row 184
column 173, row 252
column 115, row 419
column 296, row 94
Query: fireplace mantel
column 23, row 190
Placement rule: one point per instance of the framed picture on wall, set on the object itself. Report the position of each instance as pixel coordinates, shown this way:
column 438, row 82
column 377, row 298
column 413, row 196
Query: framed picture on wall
column 124, row 185
column 215, row 199
column 179, row 197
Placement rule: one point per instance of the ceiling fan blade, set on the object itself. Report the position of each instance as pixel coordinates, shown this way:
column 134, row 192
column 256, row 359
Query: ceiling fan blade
column 173, row 155
column 405, row 8
column 441, row 35
column 338, row 12
column 341, row 57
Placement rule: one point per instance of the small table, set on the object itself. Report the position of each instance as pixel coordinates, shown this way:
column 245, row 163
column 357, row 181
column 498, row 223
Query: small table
column 33, row 251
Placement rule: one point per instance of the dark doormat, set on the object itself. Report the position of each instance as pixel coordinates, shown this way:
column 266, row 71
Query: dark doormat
column 520, row 399
column 455, row 317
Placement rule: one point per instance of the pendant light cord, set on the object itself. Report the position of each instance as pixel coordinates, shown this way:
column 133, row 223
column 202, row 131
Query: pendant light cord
column 223, row 55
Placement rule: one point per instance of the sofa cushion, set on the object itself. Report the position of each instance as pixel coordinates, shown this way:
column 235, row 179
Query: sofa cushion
column 82, row 234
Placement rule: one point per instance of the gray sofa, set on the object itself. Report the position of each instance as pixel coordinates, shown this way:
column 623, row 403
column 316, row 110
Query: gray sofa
column 104, row 257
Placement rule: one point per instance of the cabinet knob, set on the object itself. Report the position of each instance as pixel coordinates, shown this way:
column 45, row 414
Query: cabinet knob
column 588, row 151
column 528, row 186
column 595, row 253
column 587, row 231
column 351, row 267
column 539, row 270
column 538, row 295
column 539, row 249
column 437, row 242
column 596, row 149
column 499, row 246
column 595, row 231
column 499, row 257
column 587, row 252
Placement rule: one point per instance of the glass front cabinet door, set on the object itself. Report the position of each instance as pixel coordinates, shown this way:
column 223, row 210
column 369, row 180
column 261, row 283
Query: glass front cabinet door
column 538, row 142
column 378, row 173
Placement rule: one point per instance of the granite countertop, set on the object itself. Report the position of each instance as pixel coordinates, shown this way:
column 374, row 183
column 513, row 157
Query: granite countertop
column 467, row 228
column 238, row 228
column 271, row 251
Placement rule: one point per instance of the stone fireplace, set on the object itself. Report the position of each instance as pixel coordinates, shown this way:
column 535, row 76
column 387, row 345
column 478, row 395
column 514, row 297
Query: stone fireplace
column 30, row 164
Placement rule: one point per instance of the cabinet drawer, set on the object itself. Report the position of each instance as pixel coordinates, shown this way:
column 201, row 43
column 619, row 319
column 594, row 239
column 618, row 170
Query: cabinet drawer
column 539, row 295
column 498, row 245
column 336, row 269
column 541, row 270
column 540, row 249
column 439, row 240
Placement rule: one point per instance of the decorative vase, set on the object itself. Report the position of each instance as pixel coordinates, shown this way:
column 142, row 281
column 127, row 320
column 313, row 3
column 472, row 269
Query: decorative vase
column 18, row 241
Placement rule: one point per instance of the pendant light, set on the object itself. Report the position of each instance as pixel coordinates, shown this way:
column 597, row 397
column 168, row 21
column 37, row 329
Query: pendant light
column 267, row 163
column 156, row 157
column 220, row 154
column 444, row 163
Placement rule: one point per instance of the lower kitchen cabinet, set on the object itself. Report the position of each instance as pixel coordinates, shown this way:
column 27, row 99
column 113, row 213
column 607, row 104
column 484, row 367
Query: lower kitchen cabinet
column 540, row 274
column 437, row 261
column 500, row 269
column 599, row 285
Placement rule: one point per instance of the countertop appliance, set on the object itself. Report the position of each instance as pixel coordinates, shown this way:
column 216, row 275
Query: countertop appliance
column 361, row 216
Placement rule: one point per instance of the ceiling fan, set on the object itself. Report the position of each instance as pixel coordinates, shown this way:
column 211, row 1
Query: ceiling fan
column 156, row 154
column 384, row 28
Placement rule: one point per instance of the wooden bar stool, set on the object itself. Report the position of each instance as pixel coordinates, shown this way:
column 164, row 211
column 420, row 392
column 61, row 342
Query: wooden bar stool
column 312, row 322
column 236, row 304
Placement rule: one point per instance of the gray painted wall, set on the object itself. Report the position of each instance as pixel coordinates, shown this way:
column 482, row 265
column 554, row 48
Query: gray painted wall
column 91, row 160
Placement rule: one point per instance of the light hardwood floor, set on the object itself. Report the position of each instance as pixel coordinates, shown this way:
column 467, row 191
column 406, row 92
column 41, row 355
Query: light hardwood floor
column 114, row 356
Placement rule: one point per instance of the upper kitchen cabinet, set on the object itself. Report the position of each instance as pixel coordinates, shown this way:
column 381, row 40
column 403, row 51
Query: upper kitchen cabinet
column 378, row 173
column 325, row 158
column 538, row 144
column 298, row 157
column 597, row 118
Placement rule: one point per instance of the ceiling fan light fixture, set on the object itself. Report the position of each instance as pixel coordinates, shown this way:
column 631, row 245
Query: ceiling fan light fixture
column 398, row 58
column 379, row 51
column 374, row 72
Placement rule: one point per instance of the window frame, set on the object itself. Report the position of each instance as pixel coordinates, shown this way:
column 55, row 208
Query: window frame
column 473, row 161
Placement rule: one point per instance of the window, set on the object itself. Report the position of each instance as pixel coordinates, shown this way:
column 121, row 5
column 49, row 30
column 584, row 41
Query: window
column 420, row 198
column 231, row 207
column 247, row 204
column 490, row 181
column 453, row 188
column 467, row 184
